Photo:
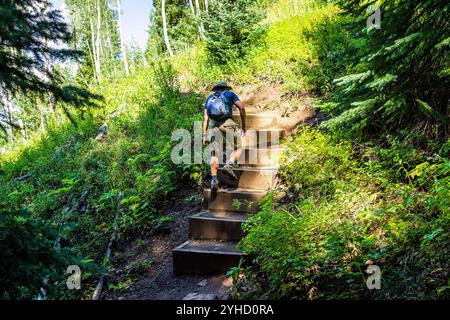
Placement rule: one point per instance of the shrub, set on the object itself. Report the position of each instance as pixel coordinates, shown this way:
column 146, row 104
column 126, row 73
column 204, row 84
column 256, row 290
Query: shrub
column 232, row 29
column 29, row 256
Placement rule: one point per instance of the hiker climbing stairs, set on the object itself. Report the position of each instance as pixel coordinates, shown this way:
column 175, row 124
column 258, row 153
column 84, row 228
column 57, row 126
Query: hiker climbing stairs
column 215, row 231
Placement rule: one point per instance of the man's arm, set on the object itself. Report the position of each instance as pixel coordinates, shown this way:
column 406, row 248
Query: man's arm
column 205, row 124
column 241, row 108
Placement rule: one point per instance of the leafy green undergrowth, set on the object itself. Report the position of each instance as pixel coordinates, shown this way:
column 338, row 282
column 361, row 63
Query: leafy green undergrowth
column 76, row 184
column 340, row 216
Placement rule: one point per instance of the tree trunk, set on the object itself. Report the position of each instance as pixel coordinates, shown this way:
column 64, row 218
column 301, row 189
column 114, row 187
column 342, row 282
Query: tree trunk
column 122, row 44
column 166, row 36
column 99, row 24
column 191, row 5
column 24, row 130
column 48, row 67
column 197, row 6
column 201, row 29
column 106, row 259
column 94, row 52
column 9, row 127
column 206, row 6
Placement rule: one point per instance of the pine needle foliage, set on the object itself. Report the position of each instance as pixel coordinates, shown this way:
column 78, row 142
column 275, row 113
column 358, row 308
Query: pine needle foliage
column 401, row 77
column 32, row 35
column 232, row 29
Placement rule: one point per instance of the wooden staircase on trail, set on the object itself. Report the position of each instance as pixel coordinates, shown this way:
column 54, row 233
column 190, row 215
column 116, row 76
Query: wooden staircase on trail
column 215, row 232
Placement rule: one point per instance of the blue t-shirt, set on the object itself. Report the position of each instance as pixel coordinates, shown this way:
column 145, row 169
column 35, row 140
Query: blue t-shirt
column 230, row 99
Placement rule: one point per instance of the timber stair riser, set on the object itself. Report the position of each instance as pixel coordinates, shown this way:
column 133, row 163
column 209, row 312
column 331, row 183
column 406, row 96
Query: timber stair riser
column 233, row 201
column 250, row 178
column 205, row 257
column 258, row 121
column 260, row 158
column 263, row 138
column 204, row 226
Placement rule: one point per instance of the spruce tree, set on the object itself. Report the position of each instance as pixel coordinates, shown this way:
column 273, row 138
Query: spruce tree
column 28, row 255
column 402, row 79
column 33, row 35
column 232, row 28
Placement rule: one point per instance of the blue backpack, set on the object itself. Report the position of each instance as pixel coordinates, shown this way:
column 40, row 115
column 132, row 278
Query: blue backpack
column 217, row 107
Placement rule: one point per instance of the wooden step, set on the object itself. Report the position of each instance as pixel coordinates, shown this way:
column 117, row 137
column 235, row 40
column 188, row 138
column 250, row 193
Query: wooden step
column 205, row 257
column 260, row 157
column 263, row 138
column 237, row 200
column 264, row 120
column 288, row 124
column 249, row 178
column 214, row 226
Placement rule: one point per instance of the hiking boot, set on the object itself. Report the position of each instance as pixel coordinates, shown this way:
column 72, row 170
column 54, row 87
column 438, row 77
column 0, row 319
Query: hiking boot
column 228, row 168
column 214, row 184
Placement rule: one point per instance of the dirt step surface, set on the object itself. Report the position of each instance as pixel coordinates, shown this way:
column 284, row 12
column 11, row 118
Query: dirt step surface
column 207, row 226
column 210, row 246
column 167, row 286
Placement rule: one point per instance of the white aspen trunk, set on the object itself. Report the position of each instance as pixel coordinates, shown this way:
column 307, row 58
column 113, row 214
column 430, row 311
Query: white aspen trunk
column 201, row 29
column 97, row 43
column 8, row 113
column 94, row 53
column 48, row 66
column 206, row 6
column 49, row 71
column 10, row 118
column 102, row 48
column 166, row 36
column 191, row 5
column 122, row 44
column 111, row 53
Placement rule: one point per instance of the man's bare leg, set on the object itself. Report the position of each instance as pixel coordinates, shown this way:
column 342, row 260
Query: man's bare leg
column 214, row 164
column 234, row 157
column 236, row 153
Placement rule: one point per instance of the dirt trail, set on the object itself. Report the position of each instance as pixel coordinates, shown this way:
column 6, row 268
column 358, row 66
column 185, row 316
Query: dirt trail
column 167, row 286
column 157, row 281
